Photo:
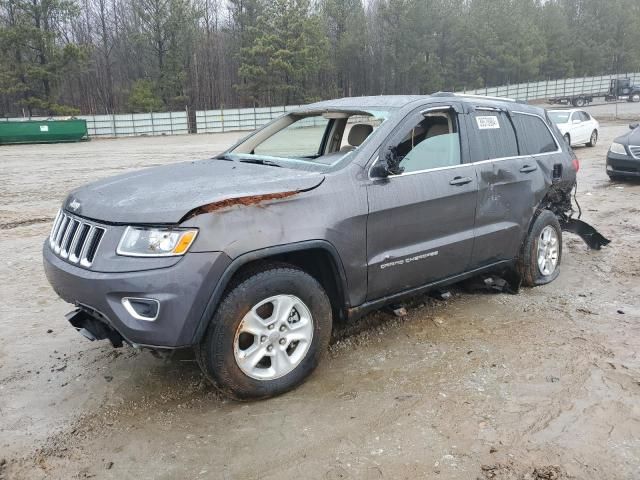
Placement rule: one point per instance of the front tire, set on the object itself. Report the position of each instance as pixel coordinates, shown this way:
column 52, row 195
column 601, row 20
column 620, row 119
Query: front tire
column 539, row 262
column 635, row 98
column 268, row 334
column 594, row 139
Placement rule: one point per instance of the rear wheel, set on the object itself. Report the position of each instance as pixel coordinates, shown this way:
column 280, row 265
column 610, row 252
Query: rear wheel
column 539, row 263
column 579, row 102
column 594, row 139
column 267, row 335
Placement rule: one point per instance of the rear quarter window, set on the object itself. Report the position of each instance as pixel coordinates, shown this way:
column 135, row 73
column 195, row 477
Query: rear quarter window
column 494, row 135
column 533, row 135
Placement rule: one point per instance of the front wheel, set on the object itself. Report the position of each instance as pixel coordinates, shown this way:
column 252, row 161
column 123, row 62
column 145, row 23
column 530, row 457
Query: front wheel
column 594, row 139
column 635, row 98
column 539, row 262
column 267, row 335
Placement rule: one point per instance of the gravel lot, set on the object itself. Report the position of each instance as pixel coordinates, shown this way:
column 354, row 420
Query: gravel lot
column 540, row 385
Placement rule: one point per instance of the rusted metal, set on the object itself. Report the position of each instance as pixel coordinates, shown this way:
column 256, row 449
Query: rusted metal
column 244, row 201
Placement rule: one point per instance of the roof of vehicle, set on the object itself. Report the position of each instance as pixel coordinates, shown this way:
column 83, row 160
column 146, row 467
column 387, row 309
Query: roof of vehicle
column 398, row 101
column 394, row 101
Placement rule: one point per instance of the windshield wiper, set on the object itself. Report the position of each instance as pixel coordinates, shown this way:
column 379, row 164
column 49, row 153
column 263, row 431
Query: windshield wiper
column 258, row 161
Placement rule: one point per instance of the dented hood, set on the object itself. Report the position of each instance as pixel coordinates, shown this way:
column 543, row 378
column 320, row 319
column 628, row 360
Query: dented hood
column 166, row 194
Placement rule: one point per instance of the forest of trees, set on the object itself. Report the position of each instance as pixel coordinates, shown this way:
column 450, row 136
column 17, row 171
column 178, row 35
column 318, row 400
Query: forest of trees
column 109, row 56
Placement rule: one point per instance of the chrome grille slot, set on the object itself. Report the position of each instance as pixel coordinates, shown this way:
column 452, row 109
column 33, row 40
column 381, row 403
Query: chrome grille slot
column 78, row 243
column 74, row 239
column 94, row 237
column 635, row 150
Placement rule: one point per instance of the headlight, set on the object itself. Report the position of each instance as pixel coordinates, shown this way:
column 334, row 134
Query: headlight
column 618, row 148
column 155, row 242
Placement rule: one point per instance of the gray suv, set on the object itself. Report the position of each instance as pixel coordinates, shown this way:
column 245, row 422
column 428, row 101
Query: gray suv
column 324, row 214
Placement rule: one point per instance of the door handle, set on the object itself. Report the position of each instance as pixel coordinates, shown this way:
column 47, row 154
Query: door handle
column 460, row 181
column 528, row 168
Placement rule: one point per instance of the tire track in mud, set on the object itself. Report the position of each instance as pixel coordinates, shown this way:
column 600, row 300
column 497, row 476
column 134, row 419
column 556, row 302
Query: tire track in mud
column 24, row 223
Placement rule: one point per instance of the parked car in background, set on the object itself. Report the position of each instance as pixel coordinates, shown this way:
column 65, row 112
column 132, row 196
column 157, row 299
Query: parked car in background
column 577, row 126
column 623, row 158
column 329, row 212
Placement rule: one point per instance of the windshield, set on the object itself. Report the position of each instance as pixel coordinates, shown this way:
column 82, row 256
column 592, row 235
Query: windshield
column 315, row 138
column 559, row 117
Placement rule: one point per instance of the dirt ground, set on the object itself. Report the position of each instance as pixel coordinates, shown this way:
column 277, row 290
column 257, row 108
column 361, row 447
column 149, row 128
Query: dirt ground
column 541, row 385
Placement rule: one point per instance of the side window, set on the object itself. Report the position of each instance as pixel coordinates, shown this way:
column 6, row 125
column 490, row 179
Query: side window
column 494, row 134
column 585, row 116
column 535, row 138
column 434, row 142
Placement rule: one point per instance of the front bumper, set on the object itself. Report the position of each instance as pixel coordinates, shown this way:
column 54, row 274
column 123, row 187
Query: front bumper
column 183, row 291
column 622, row 165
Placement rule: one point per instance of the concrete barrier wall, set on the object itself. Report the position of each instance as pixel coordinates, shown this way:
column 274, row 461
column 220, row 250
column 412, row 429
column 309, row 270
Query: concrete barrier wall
column 248, row 119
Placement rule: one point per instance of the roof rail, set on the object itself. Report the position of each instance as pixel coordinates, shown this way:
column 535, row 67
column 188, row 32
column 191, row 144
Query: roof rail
column 504, row 99
column 468, row 95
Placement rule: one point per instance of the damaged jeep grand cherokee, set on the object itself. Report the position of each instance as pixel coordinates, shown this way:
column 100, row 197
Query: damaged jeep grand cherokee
column 324, row 214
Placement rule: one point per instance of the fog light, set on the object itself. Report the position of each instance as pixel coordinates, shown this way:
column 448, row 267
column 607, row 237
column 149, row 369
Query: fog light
column 146, row 309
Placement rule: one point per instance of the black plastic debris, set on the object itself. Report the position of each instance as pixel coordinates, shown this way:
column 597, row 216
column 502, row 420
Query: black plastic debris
column 590, row 235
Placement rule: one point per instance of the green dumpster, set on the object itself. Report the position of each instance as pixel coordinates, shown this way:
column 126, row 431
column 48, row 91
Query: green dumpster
column 45, row 131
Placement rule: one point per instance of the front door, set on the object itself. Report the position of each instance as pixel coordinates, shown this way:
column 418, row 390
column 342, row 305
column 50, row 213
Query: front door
column 421, row 218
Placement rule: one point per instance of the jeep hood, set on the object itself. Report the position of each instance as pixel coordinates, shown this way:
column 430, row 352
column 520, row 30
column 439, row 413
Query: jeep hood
column 166, row 194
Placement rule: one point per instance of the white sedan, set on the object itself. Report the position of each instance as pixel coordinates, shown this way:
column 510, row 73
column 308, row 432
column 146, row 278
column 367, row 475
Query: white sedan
column 577, row 126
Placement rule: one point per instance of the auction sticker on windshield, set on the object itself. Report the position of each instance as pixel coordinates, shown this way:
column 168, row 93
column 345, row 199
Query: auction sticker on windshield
column 486, row 123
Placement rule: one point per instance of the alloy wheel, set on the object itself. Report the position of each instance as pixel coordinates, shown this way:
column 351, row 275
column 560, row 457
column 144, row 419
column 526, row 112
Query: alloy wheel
column 548, row 250
column 273, row 338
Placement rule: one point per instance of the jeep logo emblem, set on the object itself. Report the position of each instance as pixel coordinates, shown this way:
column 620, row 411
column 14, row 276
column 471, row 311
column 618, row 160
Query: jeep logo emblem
column 74, row 205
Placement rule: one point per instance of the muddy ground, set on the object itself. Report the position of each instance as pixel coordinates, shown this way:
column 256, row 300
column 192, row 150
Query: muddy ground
column 540, row 385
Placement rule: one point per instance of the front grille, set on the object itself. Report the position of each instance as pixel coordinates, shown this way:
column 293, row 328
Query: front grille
column 74, row 239
column 635, row 150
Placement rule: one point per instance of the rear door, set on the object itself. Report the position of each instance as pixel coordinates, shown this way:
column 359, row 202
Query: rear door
column 421, row 219
column 507, row 183
column 578, row 129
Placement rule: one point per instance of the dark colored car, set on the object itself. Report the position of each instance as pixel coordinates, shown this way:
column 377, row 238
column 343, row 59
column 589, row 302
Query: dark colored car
column 623, row 158
column 324, row 214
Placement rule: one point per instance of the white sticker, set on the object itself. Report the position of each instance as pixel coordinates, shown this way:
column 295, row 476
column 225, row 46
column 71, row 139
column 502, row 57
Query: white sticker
column 44, row 128
column 486, row 123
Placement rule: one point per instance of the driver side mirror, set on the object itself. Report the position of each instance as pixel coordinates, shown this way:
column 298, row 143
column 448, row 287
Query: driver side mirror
column 388, row 163
column 633, row 126
column 577, row 121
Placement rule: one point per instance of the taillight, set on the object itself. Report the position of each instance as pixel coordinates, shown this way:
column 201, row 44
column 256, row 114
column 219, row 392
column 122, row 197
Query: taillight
column 576, row 164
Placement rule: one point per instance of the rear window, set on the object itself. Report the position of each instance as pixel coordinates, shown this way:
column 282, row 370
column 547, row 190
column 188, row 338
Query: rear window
column 495, row 135
column 533, row 134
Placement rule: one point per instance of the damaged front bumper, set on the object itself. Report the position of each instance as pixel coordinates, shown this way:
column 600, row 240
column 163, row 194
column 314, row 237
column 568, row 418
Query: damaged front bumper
column 111, row 304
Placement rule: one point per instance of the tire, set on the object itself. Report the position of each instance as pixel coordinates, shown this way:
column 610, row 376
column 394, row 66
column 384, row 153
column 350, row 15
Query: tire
column 567, row 138
column 580, row 102
column 594, row 139
column 615, row 178
column 529, row 264
column 253, row 304
column 635, row 97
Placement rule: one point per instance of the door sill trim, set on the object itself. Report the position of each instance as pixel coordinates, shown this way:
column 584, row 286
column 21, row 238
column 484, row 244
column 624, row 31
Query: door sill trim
column 361, row 310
